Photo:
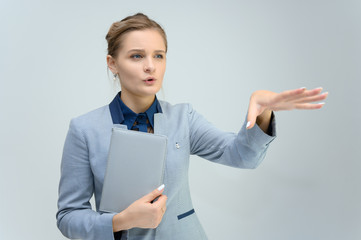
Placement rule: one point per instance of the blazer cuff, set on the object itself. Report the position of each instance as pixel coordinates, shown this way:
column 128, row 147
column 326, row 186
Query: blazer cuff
column 258, row 135
column 106, row 227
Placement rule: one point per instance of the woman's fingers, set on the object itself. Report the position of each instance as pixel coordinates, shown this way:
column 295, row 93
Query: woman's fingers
column 288, row 95
column 154, row 194
column 312, row 98
column 161, row 206
column 161, row 202
column 294, row 95
column 308, row 106
column 307, row 93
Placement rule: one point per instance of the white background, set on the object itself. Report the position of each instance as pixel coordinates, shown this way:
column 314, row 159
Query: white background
column 53, row 68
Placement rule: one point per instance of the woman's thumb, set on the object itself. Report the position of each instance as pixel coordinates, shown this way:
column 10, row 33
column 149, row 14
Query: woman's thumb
column 252, row 115
column 154, row 194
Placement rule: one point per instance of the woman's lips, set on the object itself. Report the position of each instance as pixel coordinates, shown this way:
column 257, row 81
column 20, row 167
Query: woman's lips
column 149, row 80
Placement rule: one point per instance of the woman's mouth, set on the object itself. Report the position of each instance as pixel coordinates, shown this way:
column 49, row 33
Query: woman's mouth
column 149, row 81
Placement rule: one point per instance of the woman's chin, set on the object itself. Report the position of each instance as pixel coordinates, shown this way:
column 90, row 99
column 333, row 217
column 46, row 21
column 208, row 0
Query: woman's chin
column 150, row 91
column 144, row 91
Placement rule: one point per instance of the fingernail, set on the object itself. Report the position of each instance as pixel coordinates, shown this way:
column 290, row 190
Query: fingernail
column 321, row 103
column 325, row 93
column 303, row 88
column 160, row 187
column 248, row 124
column 319, row 88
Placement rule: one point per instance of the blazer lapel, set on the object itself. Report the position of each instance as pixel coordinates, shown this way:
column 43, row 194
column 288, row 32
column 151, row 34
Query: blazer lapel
column 160, row 120
column 160, row 124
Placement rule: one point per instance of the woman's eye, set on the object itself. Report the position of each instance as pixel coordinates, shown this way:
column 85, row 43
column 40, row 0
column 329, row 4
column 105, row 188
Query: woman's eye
column 159, row 56
column 136, row 56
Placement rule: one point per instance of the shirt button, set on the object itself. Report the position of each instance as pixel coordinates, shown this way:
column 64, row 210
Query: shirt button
column 177, row 145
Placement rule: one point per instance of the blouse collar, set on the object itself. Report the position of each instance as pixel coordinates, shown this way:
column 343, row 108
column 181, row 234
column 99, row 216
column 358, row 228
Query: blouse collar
column 122, row 114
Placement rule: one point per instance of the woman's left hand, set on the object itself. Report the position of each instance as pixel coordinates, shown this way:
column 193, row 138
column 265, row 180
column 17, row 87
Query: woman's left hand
column 263, row 102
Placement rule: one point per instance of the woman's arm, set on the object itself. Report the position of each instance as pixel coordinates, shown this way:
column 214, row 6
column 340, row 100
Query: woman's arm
column 245, row 149
column 75, row 217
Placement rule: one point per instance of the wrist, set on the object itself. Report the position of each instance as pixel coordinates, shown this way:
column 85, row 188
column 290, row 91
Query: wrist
column 121, row 222
column 264, row 117
column 263, row 120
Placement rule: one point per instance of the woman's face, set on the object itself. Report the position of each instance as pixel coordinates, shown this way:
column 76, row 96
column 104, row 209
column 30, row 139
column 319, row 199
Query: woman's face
column 141, row 57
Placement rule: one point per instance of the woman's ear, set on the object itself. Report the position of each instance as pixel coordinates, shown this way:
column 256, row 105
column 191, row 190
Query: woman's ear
column 111, row 64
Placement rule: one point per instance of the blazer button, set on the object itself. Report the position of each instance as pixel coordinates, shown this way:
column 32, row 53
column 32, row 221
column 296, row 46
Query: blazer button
column 177, row 145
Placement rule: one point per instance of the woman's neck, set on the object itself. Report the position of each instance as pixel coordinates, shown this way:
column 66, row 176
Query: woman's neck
column 137, row 104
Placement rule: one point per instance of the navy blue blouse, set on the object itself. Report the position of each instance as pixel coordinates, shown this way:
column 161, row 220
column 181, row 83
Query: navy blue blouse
column 122, row 114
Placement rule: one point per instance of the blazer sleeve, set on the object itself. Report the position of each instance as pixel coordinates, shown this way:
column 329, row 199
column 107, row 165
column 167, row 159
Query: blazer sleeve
column 245, row 149
column 75, row 217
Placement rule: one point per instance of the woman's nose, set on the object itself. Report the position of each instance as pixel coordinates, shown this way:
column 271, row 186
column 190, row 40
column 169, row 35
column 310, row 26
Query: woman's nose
column 149, row 66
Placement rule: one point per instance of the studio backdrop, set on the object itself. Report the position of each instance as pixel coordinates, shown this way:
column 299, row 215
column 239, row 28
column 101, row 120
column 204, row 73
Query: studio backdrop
column 53, row 68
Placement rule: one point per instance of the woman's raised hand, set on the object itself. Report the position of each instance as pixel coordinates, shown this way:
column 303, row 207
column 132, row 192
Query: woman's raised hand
column 263, row 102
column 143, row 213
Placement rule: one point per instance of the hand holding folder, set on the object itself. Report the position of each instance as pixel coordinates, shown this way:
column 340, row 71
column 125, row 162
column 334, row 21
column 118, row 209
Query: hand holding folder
column 142, row 213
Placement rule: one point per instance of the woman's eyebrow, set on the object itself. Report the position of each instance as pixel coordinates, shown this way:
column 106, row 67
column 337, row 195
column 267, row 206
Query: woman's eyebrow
column 136, row 50
column 142, row 50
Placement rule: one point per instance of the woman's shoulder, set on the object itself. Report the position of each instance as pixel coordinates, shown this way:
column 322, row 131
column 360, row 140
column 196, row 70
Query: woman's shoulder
column 93, row 119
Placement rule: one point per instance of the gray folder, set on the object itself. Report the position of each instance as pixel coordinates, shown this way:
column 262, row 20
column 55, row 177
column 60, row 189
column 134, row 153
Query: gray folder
column 135, row 167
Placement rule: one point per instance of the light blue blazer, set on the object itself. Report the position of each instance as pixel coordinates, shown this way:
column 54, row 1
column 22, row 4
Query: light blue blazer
column 84, row 162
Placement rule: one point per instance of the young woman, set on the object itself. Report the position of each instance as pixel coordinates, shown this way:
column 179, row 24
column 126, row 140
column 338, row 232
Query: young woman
column 137, row 48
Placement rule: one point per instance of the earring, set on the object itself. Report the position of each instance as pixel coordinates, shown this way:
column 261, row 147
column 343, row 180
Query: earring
column 115, row 76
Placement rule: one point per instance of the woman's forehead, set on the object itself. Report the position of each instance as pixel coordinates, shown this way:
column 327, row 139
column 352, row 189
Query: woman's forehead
column 148, row 39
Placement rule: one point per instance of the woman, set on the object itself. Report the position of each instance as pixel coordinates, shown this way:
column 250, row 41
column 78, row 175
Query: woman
column 137, row 48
